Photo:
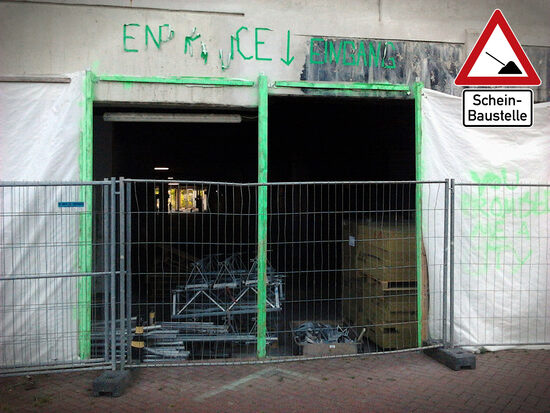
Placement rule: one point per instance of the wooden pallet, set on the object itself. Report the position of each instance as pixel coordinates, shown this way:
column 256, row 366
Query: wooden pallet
column 380, row 288
column 366, row 298
column 366, row 310
column 394, row 336
column 386, row 271
column 381, row 315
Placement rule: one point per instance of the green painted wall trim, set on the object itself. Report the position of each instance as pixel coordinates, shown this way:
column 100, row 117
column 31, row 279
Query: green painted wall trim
column 183, row 80
column 262, row 214
column 84, row 284
column 417, row 92
column 352, row 85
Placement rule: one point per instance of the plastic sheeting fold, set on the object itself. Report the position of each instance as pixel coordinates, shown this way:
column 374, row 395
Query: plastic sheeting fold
column 39, row 141
column 502, row 277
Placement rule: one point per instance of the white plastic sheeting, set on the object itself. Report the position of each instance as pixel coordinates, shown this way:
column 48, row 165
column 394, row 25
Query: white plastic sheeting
column 502, row 277
column 39, row 141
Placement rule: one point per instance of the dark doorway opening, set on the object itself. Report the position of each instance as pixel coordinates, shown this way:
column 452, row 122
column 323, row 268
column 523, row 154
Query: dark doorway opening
column 341, row 139
column 313, row 139
column 184, row 228
column 208, row 150
column 310, row 139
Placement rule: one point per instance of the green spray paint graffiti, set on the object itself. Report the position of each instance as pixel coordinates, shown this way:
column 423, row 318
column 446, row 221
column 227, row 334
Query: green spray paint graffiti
column 352, row 53
column 254, row 44
column 148, row 33
column 288, row 59
column 257, row 44
column 503, row 219
column 189, row 42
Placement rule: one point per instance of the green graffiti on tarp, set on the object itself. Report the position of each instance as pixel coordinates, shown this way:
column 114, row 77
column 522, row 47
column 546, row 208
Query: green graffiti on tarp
column 502, row 220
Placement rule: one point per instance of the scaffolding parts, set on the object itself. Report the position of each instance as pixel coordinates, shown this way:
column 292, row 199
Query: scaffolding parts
column 320, row 339
column 225, row 286
column 203, row 310
column 312, row 332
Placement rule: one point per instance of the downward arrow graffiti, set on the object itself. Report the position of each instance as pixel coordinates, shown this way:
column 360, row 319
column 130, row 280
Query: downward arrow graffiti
column 288, row 59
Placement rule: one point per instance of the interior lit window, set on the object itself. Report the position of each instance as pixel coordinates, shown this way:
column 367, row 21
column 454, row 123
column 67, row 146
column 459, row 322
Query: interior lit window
column 182, row 198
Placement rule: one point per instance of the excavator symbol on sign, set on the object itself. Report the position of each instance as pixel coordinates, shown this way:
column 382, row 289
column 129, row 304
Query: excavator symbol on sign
column 509, row 68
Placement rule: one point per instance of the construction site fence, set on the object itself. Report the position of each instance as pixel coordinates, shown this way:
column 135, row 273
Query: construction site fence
column 126, row 273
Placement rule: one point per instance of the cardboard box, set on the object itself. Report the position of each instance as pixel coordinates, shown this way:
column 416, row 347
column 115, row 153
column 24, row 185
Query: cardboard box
column 327, row 349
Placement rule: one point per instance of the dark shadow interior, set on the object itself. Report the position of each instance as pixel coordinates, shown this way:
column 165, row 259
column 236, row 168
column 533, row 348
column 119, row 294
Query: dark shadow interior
column 335, row 139
column 310, row 139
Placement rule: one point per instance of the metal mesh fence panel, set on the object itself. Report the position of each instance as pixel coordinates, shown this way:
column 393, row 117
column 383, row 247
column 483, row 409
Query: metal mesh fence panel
column 341, row 275
column 193, row 270
column 54, row 275
column 175, row 265
column 500, row 279
column 351, row 268
column 348, row 254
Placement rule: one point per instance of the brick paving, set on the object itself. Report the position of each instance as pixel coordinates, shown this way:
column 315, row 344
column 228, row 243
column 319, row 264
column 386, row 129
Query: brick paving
column 513, row 380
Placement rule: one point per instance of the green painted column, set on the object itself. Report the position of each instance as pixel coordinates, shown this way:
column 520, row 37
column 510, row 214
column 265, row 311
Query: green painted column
column 84, row 284
column 262, row 214
column 417, row 89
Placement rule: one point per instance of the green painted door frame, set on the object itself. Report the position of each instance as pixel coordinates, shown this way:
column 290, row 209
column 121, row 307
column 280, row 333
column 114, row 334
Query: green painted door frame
column 84, row 290
column 86, row 174
column 85, row 162
column 416, row 91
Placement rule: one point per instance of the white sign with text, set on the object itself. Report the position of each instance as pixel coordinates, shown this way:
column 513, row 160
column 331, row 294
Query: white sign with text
column 497, row 107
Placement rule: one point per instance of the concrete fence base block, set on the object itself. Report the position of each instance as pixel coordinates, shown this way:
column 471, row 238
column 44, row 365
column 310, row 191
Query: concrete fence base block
column 111, row 383
column 454, row 358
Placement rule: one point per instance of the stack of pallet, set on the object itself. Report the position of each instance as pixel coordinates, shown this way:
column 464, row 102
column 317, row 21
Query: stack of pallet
column 379, row 282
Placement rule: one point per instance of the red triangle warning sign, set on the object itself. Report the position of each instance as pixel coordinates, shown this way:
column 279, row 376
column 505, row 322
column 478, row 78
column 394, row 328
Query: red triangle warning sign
column 497, row 59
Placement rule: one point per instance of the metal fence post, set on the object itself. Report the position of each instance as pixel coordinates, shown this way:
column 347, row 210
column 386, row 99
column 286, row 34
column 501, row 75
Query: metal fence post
column 122, row 277
column 262, row 214
column 128, row 238
column 452, row 265
column 112, row 240
column 445, row 261
column 106, row 264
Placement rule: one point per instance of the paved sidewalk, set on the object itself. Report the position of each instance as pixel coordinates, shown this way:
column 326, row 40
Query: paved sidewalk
column 504, row 381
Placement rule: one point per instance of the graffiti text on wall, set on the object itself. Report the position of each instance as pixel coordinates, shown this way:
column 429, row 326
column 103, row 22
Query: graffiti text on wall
column 253, row 43
column 245, row 43
column 352, row 53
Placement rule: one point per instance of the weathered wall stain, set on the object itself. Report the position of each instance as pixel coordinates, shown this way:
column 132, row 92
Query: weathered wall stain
column 434, row 64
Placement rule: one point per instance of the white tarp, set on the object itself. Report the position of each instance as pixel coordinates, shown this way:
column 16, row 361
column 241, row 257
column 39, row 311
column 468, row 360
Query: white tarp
column 39, row 141
column 502, row 277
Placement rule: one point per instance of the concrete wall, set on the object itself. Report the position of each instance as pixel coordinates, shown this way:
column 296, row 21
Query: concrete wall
column 429, row 41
